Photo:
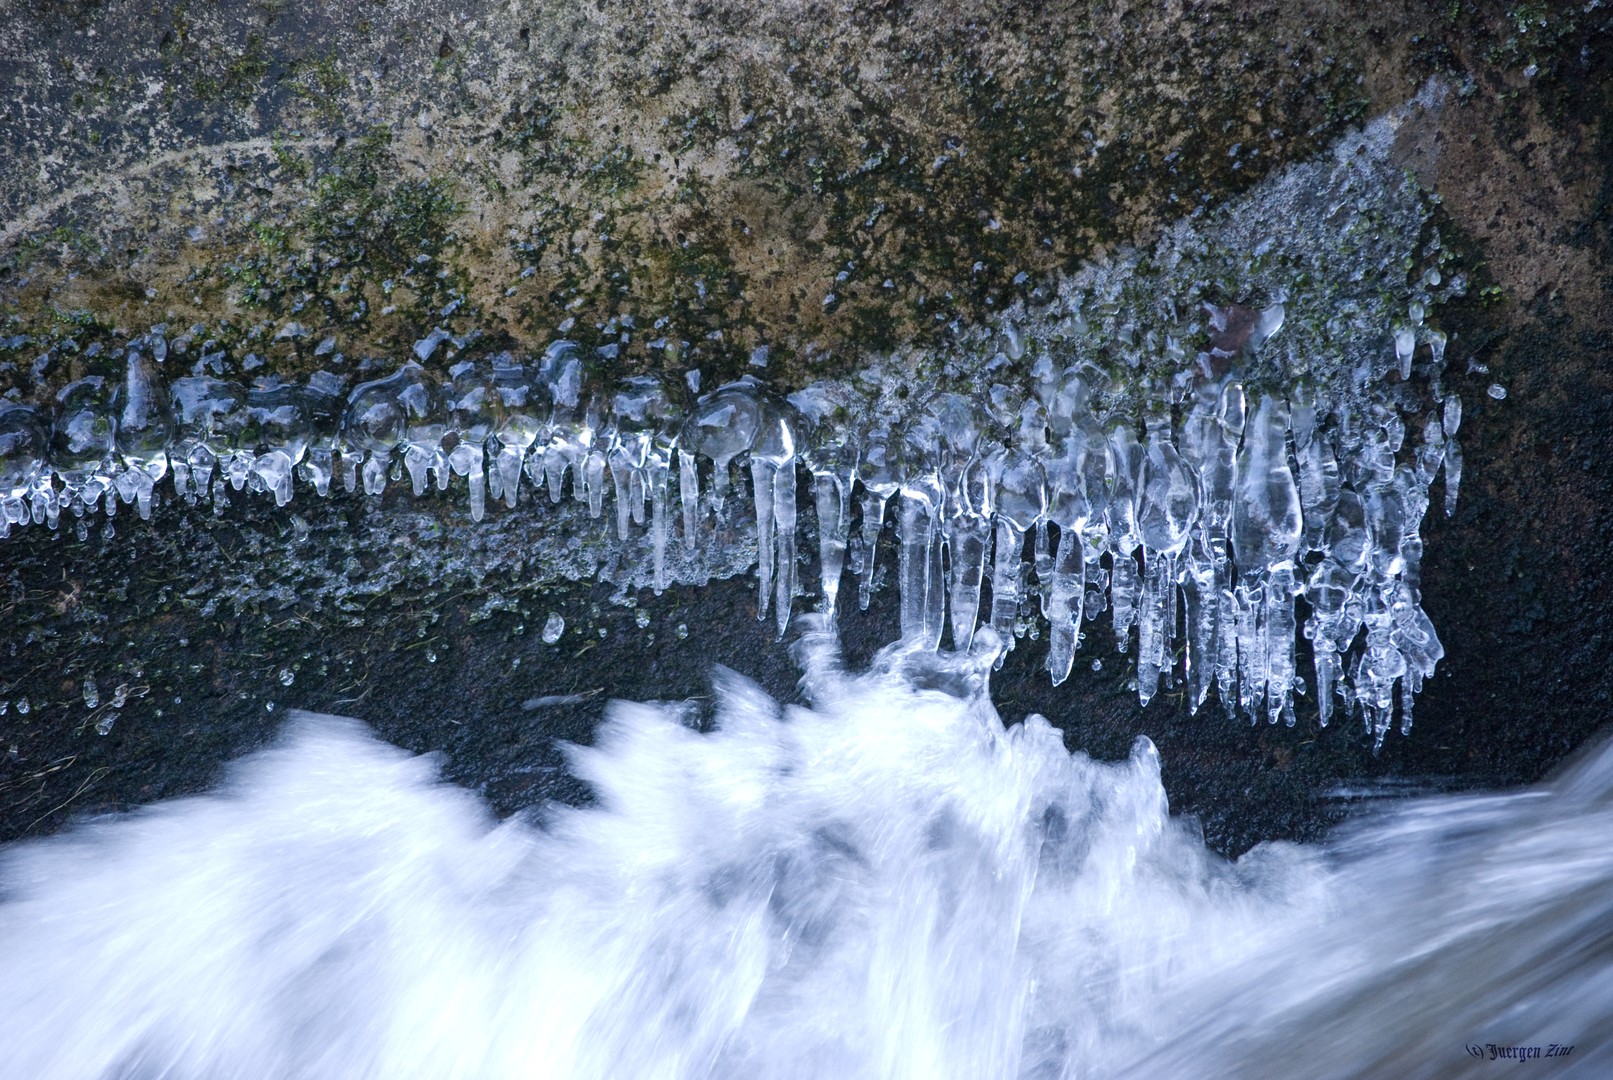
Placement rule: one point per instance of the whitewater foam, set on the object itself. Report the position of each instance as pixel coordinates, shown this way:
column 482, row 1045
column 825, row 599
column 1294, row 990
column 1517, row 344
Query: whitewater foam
column 885, row 883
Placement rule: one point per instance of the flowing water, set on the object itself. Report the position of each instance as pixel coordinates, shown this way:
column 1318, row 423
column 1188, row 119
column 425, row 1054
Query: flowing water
column 886, row 882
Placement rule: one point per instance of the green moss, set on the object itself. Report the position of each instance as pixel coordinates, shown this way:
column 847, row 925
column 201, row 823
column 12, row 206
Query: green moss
column 56, row 244
column 319, row 83
column 238, row 77
column 360, row 234
column 829, row 192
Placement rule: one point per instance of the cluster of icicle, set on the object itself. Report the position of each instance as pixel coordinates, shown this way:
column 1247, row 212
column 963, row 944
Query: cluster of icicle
column 1204, row 526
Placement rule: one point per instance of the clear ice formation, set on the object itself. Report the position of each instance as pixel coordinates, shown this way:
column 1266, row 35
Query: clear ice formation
column 1225, row 440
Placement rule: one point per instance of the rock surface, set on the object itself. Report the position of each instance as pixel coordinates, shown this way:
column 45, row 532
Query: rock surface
column 827, row 182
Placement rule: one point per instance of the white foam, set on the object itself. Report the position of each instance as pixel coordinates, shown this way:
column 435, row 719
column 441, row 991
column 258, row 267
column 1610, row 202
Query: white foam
column 885, row 884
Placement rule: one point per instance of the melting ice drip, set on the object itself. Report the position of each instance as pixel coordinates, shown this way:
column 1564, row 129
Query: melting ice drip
column 887, row 884
column 1194, row 437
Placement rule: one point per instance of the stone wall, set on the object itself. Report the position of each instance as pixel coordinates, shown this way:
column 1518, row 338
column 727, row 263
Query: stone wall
column 828, row 181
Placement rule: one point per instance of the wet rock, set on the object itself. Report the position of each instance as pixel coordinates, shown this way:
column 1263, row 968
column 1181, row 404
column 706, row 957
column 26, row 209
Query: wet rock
column 684, row 184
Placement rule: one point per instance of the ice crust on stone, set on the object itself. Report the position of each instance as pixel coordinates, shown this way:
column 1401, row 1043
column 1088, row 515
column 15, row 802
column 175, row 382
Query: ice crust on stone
column 1225, row 441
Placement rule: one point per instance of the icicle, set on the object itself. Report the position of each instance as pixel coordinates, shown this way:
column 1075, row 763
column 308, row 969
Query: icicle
column 374, row 475
column 1070, row 508
column 424, row 423
column 1126, row 460
column 1279, row 625
column 913, row 533
column 1021, row 504
column 474, row 406
column 23, row 474
column 1159, row 580
column 1097, row 577
column 1405, row 344
column 688, row 495
column 1228, row 516
column 573, row 421
column 1381, row 665
column 1266, row 515
column 375, row 423
column 1318, row 488
column 1328, row 592
column 1005, row 575
column 968, row 537
column 921, row 584
column 723, row 426
column 1042, row 555
column 82, row 440
column 1167, row 510
column 784, row 528
column 968, row 481
column 647, row 425
column 145, row 428
column 1066, row 593
column 1453, row 474
column 638, row 406
column 143, row 495
column 554, row 472
column 773, row 476
column 831, row 454
column 660, row 525
column 762, row 490
column 873, row 523
column 1202, row 617
column 594, row 437
column 880, row 480
column 832, row 497
column 414, row 460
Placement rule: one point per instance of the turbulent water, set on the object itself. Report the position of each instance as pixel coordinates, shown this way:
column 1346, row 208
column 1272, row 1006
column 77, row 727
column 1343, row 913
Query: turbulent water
column 885, row 883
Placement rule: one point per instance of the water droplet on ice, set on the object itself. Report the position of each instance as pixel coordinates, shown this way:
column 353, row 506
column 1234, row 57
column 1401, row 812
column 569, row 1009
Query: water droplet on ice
column 23, row 707
column 1097, row 665
column 553, row 627
column 92, row 694
column 105, row 726
column 642, row 618
column 287, row 676
column 683, row 631
column 1497, row 391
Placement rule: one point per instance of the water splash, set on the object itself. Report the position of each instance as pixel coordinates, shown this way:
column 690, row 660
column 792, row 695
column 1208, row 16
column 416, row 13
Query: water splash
column 887, row 883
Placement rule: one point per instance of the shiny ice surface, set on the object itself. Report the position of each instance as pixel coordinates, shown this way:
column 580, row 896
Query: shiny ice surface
column 1225, row 440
